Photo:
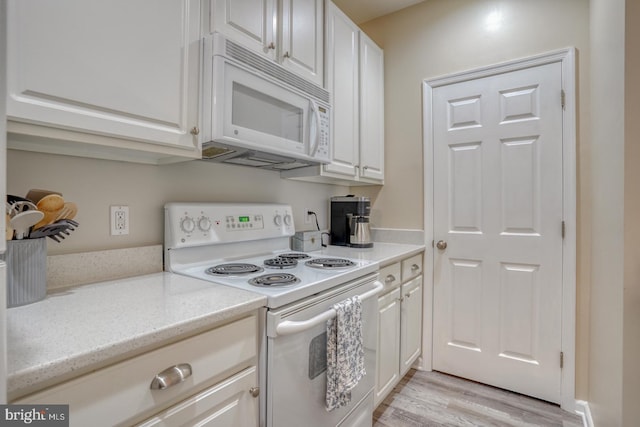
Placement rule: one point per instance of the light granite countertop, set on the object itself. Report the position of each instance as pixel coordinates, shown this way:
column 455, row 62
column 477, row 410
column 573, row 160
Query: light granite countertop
column 80, row 329
column 383, row 253
column 88, row 327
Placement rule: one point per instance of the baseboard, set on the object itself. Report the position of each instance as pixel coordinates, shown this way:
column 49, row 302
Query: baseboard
column 582, row 409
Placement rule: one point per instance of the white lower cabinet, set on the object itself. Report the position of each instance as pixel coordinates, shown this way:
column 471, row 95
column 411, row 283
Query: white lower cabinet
column 221, row 389
column 223, row 405
column 399, row 323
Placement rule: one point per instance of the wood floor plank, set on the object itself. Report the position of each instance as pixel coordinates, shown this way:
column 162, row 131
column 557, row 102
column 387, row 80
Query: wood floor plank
column 434, row 399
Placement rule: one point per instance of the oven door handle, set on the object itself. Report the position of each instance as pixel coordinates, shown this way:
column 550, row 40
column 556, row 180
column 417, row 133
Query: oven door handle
column 289, row 327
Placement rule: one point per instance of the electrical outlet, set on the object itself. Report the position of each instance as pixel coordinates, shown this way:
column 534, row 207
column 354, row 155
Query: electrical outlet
column 119, row 220
column 307, row 218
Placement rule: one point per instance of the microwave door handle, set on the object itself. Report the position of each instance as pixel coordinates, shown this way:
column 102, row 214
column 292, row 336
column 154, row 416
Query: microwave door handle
column 315, row 128
column 289, row 327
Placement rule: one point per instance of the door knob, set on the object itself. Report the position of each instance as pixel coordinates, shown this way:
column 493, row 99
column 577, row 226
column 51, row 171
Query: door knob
column 442, row 245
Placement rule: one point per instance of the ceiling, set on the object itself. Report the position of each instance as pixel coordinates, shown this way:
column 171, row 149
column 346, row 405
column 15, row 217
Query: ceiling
column 365, row 10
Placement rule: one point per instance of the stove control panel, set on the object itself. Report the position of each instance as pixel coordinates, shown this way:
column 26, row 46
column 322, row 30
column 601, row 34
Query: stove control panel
column 196, row 224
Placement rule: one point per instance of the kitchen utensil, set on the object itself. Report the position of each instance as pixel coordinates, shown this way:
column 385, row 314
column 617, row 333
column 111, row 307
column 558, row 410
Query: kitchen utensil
column 69, row 211
column 23, row 206
column 11, row 199
column 50, row 205
column 22, row 222
column 55, row 231
column 36, row 195
column 8, row 228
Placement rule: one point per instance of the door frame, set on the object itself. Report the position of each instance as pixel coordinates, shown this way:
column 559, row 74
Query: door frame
column 566, row 57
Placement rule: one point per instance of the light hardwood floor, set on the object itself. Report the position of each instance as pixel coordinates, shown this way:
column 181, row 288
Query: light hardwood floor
column 433, row 399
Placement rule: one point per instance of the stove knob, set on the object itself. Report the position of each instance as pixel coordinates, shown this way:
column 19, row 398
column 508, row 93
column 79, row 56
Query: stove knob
column 188, row 225
column 278, row 220
column 204, row 223
column 288, row 220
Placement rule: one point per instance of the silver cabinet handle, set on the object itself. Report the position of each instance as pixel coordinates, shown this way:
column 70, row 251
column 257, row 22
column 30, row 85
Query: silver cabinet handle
column 171, row 376
column 195, row 130
column 407, row 295
column 286, row 55
column 442, row 245
column 271, row 46
column 254, row 391
column 390, row 278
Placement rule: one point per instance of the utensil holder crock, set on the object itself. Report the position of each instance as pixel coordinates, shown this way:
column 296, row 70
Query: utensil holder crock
column 26, row 271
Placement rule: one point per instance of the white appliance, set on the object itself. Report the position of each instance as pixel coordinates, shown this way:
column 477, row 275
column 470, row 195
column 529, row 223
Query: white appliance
column 257, row 113
column 3, row 185
column 246, row 246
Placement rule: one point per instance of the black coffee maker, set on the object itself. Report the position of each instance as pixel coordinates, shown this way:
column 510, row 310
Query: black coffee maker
column 350, row 221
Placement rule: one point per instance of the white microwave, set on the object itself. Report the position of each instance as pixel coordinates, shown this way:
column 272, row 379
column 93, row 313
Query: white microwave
column 257, row 113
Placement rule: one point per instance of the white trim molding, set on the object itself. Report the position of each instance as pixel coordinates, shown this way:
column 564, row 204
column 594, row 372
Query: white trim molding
column 566, row 57
column 582, row 409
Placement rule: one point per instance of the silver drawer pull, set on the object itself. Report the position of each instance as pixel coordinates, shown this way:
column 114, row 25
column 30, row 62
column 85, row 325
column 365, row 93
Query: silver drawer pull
column 390, row 278
column 254, row 391
column 171, row 376
column 415, row 267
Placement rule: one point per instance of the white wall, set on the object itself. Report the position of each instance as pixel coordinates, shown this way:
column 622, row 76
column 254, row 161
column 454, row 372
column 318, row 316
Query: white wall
column 438, row 37
column 631, row 330
column 607, row 207
column 96, row 184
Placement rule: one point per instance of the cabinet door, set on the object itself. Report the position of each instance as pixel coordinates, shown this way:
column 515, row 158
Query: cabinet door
column 388, row 360
column 229, row 403
column 371, row 110
column 302, row 38
column 248, row 22
column 411, row 324
column 342, row 81
column 113, row 68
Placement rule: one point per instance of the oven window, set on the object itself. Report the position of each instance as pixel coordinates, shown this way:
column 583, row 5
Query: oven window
column 259, row 112
column 318, row 355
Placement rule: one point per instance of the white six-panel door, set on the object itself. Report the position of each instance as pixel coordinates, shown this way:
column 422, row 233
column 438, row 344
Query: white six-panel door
column 498, row 198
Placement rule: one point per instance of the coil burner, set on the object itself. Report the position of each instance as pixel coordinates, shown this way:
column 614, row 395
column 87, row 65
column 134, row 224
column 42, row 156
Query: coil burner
column 280, row 263
column 330, row 263
column 294, row 255
column 233, row 269
column 276, row 279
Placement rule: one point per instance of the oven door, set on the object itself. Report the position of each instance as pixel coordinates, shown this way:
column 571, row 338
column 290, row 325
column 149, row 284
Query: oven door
column 296, row 359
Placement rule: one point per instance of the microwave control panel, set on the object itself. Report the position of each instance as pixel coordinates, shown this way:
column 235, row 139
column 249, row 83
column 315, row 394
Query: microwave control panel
column 322, row 150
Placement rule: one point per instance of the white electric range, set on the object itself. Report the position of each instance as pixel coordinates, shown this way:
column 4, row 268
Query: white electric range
column 246, row 246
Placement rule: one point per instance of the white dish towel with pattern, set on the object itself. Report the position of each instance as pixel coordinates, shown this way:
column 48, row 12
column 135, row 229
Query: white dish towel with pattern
column 345, row 352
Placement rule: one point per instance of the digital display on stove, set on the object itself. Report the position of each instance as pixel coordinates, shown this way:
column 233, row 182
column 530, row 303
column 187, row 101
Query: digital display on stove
column 243, row 219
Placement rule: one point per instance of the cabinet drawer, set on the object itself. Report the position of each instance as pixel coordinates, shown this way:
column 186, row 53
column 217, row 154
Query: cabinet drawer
column 411, row 267
column 228, row 403
column 390, row 275
column 122, row 391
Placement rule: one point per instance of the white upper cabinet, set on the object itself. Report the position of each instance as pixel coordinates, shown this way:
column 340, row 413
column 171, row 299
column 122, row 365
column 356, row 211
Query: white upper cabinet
column 371, row 110
column 118, row 75
column 355, row 79
column 290, row 32
column 343, row 84
column 248, row 22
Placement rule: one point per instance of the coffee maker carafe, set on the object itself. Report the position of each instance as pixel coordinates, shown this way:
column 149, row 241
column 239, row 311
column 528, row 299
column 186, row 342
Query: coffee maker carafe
column 350, row 221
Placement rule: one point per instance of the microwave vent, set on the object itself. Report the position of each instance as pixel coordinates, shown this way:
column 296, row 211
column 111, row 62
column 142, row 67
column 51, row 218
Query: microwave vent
column 274, row 70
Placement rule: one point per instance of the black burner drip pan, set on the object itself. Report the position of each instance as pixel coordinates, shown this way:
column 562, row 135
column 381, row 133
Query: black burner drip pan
column 275, row 279
column 330, row 263
column 233, row 269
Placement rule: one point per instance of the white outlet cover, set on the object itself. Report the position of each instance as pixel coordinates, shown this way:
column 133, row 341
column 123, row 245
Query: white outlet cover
column 119, row 220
